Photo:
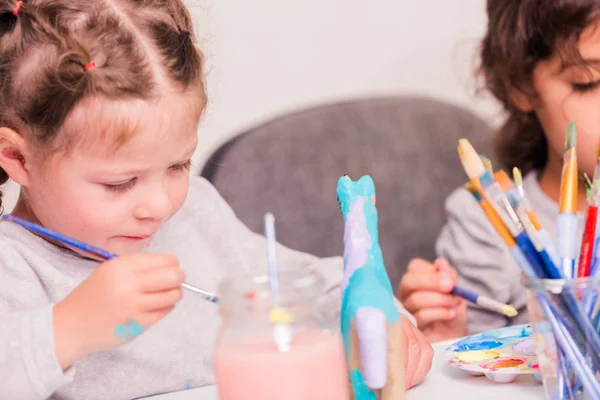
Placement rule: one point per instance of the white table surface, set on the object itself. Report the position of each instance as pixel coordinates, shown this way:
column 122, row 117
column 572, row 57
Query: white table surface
column 442, row 382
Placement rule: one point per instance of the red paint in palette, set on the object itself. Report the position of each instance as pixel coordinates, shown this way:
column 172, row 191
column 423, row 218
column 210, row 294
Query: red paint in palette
column 504, row 363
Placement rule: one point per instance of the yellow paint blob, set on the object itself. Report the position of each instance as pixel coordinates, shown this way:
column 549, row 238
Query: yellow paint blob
column 478, row 355
column 510, row 311
column 279, row 315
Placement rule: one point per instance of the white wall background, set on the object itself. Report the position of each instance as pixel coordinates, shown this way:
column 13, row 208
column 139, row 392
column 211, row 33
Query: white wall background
column 267, row 57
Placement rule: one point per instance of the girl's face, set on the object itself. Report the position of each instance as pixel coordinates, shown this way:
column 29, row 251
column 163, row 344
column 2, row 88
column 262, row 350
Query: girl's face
column 567, row 92
column 115, row 196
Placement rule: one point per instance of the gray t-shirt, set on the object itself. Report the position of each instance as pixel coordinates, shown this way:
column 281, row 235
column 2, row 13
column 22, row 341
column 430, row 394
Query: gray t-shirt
column 484, row 264
column 174, row 354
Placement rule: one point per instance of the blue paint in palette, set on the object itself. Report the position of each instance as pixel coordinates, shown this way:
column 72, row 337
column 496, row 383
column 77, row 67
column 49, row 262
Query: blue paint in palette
column 484, row 345
column 500, row 354
column 129, row 330
column 493, row 339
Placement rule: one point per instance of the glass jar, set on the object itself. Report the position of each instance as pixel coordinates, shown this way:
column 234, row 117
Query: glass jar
column 564, row 318
column 298, row 356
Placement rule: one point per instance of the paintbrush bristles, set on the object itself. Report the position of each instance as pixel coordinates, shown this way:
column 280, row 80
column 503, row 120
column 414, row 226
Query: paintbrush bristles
column 487, row 163
column 571, row 136
column 470, row 160
column 569, row 175
column 517, row 176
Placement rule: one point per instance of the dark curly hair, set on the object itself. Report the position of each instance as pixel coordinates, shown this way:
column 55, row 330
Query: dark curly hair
column 520, row 34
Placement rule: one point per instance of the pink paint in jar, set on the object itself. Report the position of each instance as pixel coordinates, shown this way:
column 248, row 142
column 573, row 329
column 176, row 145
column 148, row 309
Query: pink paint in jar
column 256, row 358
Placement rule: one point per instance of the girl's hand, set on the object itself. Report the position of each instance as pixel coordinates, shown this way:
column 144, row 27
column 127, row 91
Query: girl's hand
column 121, row 299
column 418, row 353
column 425, row 293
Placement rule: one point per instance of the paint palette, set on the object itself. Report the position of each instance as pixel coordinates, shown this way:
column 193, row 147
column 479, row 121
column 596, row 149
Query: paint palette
column 500, row 354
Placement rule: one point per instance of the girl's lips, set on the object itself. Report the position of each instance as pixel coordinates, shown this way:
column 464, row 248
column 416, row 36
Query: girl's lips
column 135, row 237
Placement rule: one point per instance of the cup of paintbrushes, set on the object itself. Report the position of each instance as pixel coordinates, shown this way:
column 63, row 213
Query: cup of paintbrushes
column 568, row 364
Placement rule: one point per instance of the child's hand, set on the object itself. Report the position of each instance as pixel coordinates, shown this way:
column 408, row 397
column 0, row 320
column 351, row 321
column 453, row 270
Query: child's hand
column 117, row 302
column 425, row 293
column 418, row 353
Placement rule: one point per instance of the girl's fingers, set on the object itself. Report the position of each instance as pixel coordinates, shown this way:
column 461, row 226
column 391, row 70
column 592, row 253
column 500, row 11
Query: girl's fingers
column 161, row 300
column 160, row 279
column 444, row 267
column 422, row 300
column 420, row 265
column 426, row 281
column 428, row 316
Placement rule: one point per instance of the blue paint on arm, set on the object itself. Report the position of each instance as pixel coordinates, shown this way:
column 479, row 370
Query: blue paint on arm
column 129, row 330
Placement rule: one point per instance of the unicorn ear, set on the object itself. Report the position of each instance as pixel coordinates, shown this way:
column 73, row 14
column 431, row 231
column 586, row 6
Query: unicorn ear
column 345, row 183
column 346, row 191
column 366, row 185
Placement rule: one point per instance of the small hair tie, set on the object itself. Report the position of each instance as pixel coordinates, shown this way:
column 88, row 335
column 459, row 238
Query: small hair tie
column 17, row 8
column 89, row 66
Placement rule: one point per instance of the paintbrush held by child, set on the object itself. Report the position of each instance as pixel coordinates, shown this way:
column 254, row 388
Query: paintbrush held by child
column 540, row 60
column 101, row 102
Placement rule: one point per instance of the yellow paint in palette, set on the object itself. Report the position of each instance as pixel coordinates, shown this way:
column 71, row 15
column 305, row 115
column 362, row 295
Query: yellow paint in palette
column 529, row 368
column 477, row 355
column 501, row 354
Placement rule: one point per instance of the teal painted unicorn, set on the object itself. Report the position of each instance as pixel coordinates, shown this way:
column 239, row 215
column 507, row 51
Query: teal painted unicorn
column 370, row 321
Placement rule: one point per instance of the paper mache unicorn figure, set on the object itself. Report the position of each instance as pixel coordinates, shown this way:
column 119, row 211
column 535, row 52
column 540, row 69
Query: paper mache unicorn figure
column 370, row 322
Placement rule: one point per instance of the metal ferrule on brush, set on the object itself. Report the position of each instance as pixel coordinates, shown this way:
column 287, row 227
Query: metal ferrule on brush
column 502, row 206
column 521, row 208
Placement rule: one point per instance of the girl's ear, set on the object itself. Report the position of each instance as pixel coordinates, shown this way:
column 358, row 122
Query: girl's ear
column 521, row 100
column 13, row 151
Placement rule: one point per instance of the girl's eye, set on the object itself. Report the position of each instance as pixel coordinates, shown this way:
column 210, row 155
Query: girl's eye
column 121, row 187
column 182, row 167
column 585, row 86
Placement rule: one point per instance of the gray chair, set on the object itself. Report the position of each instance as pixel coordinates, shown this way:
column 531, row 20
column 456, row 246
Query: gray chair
column 290, row 166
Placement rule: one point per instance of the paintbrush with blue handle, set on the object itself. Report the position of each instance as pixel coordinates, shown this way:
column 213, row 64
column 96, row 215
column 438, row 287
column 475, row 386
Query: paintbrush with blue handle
column 87, row 248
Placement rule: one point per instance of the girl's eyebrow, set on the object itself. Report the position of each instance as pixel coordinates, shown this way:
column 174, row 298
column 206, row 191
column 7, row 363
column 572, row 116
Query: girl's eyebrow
column 566, row 64
column 113, row 169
